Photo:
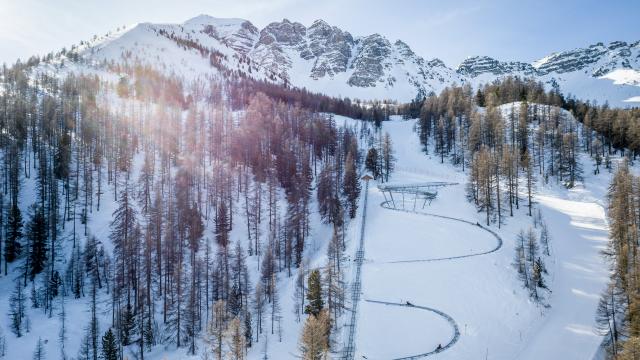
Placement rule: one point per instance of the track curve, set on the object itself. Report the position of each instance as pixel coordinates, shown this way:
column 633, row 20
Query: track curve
column 456, row 331
column 499, row 242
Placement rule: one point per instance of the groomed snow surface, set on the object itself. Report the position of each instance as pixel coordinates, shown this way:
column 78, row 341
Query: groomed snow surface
column 496, row 318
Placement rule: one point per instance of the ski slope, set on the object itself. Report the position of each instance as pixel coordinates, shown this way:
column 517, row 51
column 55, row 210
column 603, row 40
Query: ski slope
column 482, row 294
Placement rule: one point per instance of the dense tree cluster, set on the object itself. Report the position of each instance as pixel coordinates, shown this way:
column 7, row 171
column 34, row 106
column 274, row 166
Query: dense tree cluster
column 508, row 148
column 532, row 246
column 618, row 316
column 184, row 166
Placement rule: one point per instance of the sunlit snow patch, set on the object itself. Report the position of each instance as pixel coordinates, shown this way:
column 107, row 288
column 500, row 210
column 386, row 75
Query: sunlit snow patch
column 623, row 77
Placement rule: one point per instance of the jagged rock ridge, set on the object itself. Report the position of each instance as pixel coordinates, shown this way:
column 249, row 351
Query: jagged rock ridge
column 327, row 59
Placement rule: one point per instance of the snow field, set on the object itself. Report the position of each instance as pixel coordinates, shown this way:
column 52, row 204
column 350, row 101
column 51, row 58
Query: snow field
column 496, row 317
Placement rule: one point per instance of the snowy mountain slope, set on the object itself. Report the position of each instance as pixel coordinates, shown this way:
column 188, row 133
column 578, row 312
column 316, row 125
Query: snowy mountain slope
column 327, row 59
column 598, row 59
column 599, row 72
column 482, row 294
column 177, row 49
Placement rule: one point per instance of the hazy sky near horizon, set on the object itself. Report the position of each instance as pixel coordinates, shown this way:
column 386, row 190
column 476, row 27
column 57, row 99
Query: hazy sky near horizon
column 450, row 30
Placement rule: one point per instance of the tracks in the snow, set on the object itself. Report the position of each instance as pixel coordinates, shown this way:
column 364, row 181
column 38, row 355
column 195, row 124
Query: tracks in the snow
column 450, row 320
column 456, row 331
column 386, row 205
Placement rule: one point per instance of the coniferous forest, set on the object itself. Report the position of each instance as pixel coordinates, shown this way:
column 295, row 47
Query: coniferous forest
column 176, row 167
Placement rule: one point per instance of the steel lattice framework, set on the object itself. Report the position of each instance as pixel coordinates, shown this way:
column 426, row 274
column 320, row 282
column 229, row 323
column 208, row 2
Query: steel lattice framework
column 422, row 192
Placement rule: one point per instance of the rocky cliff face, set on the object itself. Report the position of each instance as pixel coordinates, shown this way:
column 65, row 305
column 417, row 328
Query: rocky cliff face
column 598, row 59
column 478, row 65
column 329, row 47
column 370, row 62
column 327, row 59
column 240, row 35
column 364, row 62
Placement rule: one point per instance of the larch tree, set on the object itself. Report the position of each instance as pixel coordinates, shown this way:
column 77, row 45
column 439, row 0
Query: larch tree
column 388, row 158
column 314, row 341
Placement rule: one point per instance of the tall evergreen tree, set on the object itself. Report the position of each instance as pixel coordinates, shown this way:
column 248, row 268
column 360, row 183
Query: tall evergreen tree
column 17, row 309
column 12, row 245
column 388, row 158
column 371, row 163
column 314, row 294
column 222, row 225
column 109, row 346
column 37, row 238
column 39, row 353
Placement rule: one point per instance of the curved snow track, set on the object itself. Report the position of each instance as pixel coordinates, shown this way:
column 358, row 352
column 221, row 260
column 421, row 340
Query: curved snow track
column 386, row 205
column 450, row 320
column 456, row 331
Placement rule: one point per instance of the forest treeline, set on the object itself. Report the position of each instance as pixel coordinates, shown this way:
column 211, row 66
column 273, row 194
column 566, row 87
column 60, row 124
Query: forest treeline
column 179, row 169
column 534, row 138
column 618, row 314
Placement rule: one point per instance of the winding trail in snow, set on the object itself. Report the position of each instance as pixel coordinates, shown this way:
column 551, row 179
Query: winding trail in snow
column 454, row 325
column 499, row 242
column 450, row 320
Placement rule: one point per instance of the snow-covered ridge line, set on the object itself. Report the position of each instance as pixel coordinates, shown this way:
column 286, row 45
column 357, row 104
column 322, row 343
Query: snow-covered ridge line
column 326, row 59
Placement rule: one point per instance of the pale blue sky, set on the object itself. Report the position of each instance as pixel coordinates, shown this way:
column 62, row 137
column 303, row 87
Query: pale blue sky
column 451, row 30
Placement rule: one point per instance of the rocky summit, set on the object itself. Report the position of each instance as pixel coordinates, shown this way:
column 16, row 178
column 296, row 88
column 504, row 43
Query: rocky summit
column 324, row 58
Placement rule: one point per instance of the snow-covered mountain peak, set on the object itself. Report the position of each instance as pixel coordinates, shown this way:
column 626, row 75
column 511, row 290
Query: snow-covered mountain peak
column 598, row 59
column 285, row 33
column 478, row 65
column 325, row 58
column 204, row 19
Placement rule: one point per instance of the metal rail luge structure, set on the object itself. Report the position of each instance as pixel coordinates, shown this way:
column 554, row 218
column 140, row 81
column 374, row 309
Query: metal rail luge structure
column 421, row 192
column 349, row 350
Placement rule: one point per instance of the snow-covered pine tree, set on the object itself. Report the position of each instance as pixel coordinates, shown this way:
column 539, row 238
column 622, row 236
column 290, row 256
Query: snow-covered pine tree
column 3, row 344
column 37, row 236
column 248, row 330
column 39, row 353
column 222, row 225
column 235, row 339
column 109, row 349
column 62, row 333
column 528, row 164
column 276, row 309
column 12, row 242
column 216, row 329
column 544, row 237
column 258, row 308
column 17, row 309
column 371, row 162
column 388, row 158
column 314, row 293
